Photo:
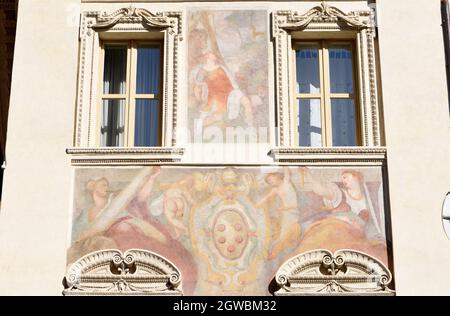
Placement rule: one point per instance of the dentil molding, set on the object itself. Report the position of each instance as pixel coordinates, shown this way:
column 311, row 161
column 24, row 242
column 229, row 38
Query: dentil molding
column 124, row 156
column 330, row 155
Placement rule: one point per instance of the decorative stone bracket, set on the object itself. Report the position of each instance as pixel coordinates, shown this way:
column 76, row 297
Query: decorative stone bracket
column 320, row 272
column 136, row 272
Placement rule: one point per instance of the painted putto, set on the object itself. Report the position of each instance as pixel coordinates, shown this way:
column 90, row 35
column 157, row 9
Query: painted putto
column 228, row 69
column 229, row 229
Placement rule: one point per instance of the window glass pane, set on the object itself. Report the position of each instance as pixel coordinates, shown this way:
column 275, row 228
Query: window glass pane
column 147, row 123
column 148, row 69
column 310, row 123
column 113, row 122
column 341, row 69
column 114, row 75
column 308, row 78
column 343, row 122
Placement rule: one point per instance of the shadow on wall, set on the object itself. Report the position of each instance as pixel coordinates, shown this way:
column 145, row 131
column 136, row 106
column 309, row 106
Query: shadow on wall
column 445, row 10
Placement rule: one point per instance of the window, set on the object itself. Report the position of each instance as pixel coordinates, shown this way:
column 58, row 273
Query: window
column 130, row 101
column 127, row 92
column 325, row 106
column 327, row 96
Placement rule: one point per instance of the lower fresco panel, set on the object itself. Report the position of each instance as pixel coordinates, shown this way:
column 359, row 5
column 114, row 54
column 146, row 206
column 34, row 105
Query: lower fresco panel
column 229, row 229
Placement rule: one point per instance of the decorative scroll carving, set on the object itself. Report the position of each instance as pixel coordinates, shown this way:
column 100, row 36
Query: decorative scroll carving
column 291, row 20
column 135, row 272
column 346, row 272
column 138, row 15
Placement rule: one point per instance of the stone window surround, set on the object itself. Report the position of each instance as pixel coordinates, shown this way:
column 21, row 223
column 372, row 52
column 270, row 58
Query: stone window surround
column 120, row 24
column 324, row 22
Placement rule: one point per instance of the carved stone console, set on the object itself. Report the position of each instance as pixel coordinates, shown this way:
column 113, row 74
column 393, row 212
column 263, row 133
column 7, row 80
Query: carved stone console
column 320, row 272
column 135, row 272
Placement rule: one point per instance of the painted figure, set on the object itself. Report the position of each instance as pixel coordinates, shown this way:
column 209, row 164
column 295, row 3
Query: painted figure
column 82, row 242
column 125, row 222
column 218, row 95
column 101, row 197
column 222, row 62
column 178, row 196
column 283, row 188
column 346, row 217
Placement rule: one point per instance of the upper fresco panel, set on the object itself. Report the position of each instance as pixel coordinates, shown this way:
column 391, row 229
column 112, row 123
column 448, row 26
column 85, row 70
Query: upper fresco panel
column 227, row 69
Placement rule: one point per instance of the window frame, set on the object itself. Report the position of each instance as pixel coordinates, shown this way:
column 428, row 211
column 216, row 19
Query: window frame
column 124, row 25
column 130, row 95
column 325, row 22
column 325, row 96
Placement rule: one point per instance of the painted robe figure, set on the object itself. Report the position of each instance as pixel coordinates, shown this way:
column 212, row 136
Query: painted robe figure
column 131, row 226
column 227, row 86
column 288, row 211
column 347, row 219
column 218, row 87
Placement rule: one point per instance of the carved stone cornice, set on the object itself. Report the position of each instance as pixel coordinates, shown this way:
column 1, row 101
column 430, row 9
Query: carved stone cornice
column 131, row 15
column 119, row 156
column 346, row 272
column 330, row 156
column 135, row 272
column 121, row 161
column 121, row 150
column 324, row 13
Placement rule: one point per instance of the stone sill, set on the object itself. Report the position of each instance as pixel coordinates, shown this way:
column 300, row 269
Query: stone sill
column 330, row 156
column 124, row 156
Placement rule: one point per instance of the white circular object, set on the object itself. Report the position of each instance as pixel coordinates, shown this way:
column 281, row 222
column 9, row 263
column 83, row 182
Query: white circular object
column 446, row 214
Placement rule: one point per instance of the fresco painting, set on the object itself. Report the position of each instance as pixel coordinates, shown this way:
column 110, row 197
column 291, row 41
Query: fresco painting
column 229, row 229
column 228, row 69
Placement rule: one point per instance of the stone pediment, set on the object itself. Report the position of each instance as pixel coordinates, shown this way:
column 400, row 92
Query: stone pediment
column 346, row 272
column 135, row 272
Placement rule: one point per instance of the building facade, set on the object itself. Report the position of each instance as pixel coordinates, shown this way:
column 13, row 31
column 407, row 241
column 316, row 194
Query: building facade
column 227, row 148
